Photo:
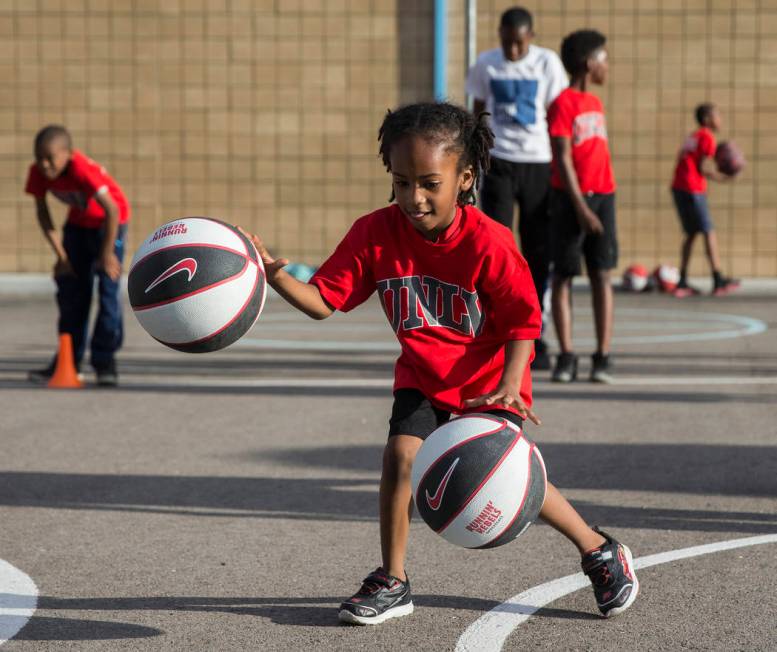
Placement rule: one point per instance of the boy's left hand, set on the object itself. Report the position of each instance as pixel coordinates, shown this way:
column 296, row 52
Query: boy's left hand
column 111, row 265
column 504, row 395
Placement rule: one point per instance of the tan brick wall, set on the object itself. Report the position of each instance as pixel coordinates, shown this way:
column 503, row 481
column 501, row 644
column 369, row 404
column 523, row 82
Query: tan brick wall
column 265, row 112
column 262, row 113
column 665, row 58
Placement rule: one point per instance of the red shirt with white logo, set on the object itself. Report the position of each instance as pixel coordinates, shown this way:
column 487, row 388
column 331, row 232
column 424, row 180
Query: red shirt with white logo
column 687, row 175
column 453, row 303
column 579, row 116
column 77, row 186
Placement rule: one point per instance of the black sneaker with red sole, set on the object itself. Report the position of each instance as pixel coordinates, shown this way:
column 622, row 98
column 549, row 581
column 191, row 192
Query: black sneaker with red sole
column 611, row 571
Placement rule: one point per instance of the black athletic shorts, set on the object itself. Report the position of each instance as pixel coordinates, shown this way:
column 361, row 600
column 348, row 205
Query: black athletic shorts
column 570, row 242
column 413, row 414
column 528, row 184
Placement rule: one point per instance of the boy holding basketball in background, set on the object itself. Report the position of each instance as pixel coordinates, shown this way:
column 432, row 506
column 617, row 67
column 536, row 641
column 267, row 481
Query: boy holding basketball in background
column 461, row 301
column 92, row 244
column 696, row 164
column 582, row 202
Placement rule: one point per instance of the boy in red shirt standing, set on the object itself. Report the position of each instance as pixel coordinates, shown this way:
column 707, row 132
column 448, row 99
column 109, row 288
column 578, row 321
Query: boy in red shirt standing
column 696, row 164
column 582, row 203
column 92, row 243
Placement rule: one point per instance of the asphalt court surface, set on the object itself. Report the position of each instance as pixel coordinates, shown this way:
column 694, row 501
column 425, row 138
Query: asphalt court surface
column 228, row 501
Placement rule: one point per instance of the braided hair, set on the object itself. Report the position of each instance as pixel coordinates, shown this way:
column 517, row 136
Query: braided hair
column 440, row 122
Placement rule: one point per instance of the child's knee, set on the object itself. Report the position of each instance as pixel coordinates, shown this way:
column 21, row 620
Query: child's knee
column 561, row 282
column 399, row 454
column 599, row 276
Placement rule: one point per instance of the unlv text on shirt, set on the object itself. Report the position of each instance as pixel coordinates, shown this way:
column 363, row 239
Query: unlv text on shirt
column 425, row 300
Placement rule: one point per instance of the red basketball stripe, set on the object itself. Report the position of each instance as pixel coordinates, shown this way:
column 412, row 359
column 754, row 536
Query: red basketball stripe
column 204, row 245
column 195, row 292
column 500, row 426
column 238, row 313
column 523, row 499
column 481, row 485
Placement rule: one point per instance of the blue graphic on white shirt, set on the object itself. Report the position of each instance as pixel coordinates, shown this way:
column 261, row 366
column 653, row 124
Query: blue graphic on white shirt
column 515, row 101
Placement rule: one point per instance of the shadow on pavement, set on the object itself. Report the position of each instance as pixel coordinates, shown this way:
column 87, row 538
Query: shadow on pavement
column 682, row 468
column 669, row 469
column 232, row 497
column 300, row 611
column 41, row 628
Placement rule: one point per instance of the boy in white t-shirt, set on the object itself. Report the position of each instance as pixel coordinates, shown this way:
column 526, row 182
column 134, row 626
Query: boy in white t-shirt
column 516, row 83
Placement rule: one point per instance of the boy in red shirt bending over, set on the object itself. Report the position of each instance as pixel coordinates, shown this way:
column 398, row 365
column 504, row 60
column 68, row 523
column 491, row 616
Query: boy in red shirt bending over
column 582, row 202
column 92, row 243
column 696, row 164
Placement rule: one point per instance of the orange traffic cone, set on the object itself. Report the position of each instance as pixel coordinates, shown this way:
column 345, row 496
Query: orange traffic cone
column 65, row 374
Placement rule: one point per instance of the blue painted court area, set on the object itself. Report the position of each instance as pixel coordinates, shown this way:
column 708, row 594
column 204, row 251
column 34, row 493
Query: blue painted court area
column 228, row 501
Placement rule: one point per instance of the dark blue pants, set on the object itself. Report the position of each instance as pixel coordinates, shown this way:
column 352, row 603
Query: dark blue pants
column 74, row 296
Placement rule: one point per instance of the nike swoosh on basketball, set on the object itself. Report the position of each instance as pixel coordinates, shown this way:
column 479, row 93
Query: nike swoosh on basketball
column 188, row 265
column 435, row 500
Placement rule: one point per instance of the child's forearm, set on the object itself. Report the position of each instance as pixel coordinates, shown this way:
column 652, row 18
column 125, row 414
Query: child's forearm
column 111, row 223
column 303, row 296
column 49, row 232
column 517, row 354
column 571, row 183
column 709, row 170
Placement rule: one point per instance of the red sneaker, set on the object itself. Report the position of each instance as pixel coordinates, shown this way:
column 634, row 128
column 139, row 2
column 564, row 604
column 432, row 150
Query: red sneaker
column 726, row 286
column 683, row 291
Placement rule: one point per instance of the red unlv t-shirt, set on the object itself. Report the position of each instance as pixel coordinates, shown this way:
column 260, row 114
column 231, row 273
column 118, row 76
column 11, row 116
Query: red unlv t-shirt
column 687, row 175
column 579, row 116
column 453, row 303
column 77, row 186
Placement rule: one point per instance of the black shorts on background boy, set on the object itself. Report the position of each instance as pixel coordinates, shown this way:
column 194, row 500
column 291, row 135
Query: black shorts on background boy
column 582, row 202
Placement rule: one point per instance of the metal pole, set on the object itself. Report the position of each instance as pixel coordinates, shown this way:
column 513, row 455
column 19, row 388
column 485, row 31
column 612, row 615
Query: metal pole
column 440, row 49
column 471, row 38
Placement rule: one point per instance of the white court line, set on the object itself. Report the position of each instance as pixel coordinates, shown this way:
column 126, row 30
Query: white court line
column 303, row 383
column 150, row 382
column 745, row 326
column 391, row 346
column 697, row 380
column 489, row 632
column 18, row 600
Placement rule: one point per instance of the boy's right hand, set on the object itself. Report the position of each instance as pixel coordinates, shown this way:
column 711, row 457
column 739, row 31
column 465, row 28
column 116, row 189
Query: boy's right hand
column 63, row 268
column 271, row 265
column 589, row 221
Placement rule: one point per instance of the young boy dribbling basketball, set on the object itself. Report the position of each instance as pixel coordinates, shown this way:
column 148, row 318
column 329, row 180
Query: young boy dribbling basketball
column 461, row 301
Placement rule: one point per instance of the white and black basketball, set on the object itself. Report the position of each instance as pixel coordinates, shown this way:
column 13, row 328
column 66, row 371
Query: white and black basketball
column 478, row 481
column 197, row 284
